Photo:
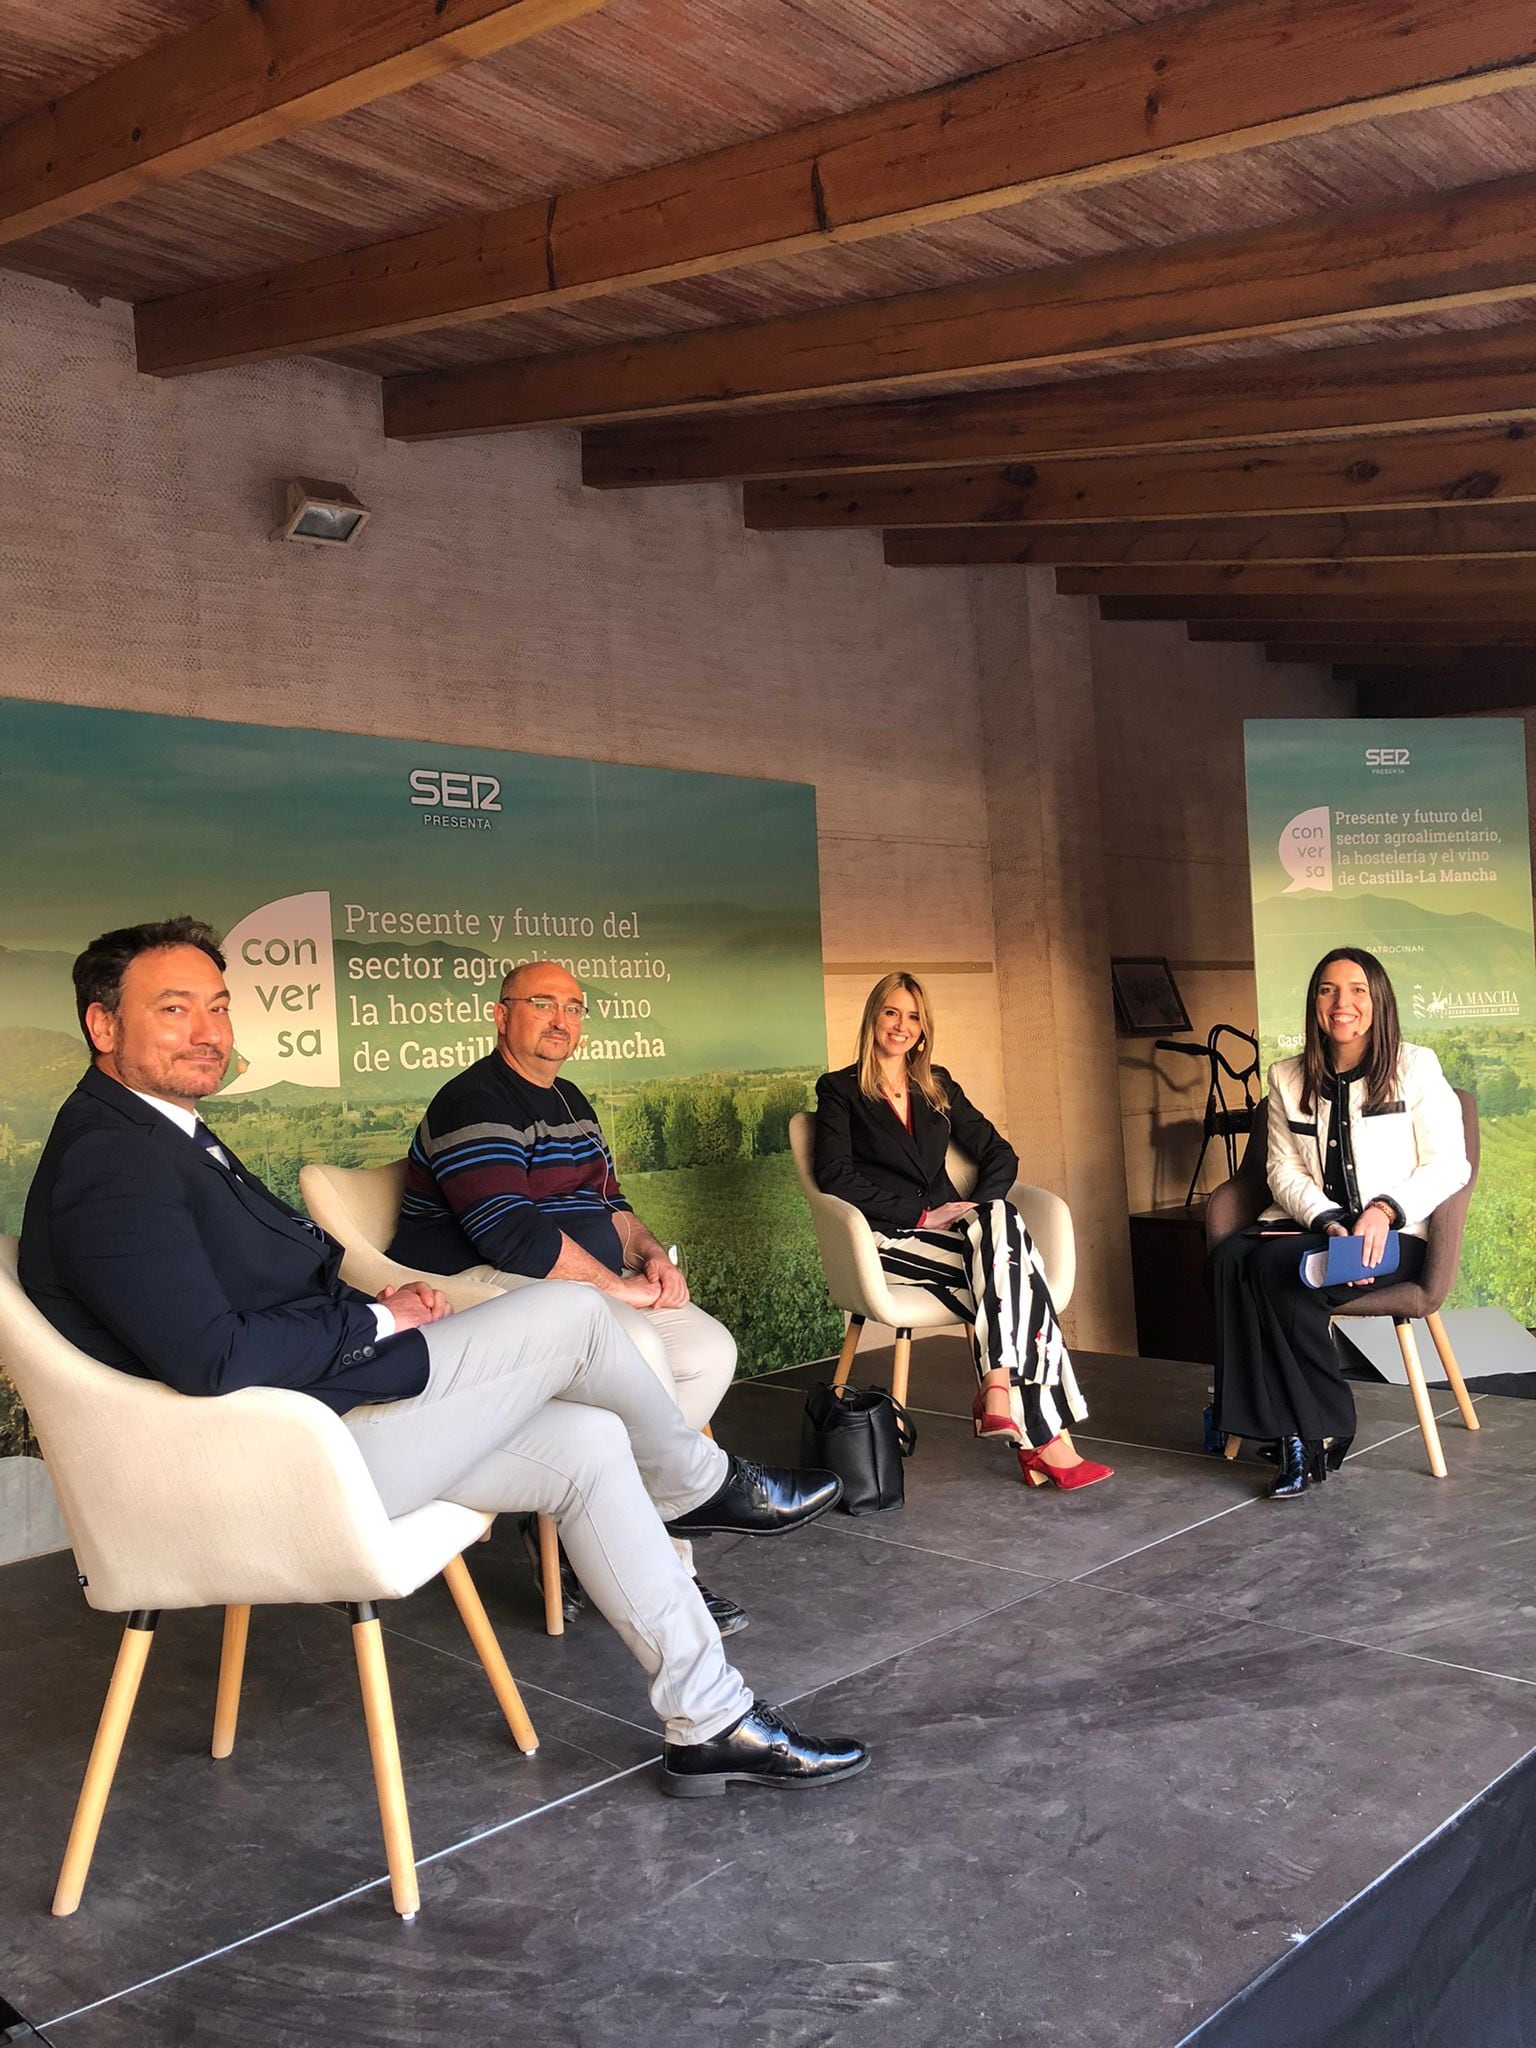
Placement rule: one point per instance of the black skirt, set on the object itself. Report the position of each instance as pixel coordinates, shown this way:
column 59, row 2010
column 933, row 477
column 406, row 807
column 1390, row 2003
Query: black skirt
column 1277, row 1371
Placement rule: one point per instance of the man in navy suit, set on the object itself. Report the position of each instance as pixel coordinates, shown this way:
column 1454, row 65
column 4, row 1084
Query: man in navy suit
column 149, row 1245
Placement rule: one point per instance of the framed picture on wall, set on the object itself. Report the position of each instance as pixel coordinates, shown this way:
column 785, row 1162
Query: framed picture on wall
column 1147, row 999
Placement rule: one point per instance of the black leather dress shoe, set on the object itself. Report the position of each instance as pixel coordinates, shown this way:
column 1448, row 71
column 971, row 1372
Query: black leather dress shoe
column 761, row 1500
column 728, row 1615
column 572, row 1599
column 762, row 1748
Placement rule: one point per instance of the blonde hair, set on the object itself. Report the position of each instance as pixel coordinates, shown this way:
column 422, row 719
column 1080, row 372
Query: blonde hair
column 919, row 1057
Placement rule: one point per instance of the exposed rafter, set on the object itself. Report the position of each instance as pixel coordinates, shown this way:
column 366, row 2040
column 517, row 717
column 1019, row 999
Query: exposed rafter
column 1433, row 380
column 1467, row 531
column 1472, row 246
column 1196, row 86
column 1269, row 579
column 1437, row 692
column 1328, row 653
column 1479, row 463
column 259, row 69
column 1292, row 631
column 1360, row 607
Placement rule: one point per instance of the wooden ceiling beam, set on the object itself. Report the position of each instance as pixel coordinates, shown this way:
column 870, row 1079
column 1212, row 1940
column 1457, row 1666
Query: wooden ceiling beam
column 1200, row 85
column 1360, row 608
column 1432, row 380
column 1439, row 692
column 1327, row 653
column 1285, row 631
column 1471, row 246
column 1266, row 579
column 258, row 70
column 1375, row 471
column 1467, row 531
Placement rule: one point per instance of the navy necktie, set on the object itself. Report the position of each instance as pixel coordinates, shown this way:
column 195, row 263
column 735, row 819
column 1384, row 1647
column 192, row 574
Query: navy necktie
column 206, row 1141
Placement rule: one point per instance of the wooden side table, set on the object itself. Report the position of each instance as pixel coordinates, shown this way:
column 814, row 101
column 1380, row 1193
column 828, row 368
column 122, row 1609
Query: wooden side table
column 1173, row 1314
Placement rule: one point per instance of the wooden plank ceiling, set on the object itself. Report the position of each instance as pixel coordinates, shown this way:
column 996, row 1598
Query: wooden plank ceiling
column 1228, row 312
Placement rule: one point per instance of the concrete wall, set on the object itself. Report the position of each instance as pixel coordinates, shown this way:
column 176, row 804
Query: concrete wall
column 1170, row 717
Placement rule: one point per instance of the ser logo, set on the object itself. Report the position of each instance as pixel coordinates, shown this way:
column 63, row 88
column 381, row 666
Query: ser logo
column 1387, row 757
column 444, row 789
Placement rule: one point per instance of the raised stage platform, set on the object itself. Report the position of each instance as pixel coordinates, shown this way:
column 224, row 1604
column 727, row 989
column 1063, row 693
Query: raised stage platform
column 1132, row 1746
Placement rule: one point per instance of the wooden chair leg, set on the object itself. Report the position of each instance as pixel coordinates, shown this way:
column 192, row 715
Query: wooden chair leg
column 117, row 1710
column 226, row 1708
column 845, row 1356
column 549, row 1572
column 1422, row 1408
column 1442, row 1343
column 474, row 1617
column 384, row 1748
column 901, row 1366
column 1232, row 1447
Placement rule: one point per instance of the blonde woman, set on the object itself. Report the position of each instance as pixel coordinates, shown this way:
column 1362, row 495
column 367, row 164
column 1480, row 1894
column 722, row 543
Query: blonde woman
column 883, row 1127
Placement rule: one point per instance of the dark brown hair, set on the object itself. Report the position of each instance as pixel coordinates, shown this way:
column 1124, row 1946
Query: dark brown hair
column 100, row 968
column 1381, row 1058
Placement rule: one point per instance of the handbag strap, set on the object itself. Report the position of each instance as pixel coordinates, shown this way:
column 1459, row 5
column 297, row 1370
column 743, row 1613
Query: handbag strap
column 906, row 1428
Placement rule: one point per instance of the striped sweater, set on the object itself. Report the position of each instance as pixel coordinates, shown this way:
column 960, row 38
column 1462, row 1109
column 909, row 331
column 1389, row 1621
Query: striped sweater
column 498, row 1169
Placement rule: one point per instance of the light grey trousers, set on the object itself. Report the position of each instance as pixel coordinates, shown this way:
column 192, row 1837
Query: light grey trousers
column 692, row 1355
column 539, row 1401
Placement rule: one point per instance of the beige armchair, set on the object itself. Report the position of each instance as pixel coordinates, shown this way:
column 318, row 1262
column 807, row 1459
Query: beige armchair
column 247, row 1499
column 359, row 1206
column 858, row 1283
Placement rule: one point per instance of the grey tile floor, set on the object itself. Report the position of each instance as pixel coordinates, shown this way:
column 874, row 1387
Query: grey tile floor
column 1130, row 1745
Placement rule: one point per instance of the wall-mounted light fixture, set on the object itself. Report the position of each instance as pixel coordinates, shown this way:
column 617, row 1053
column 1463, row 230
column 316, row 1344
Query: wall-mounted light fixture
column 327, row 514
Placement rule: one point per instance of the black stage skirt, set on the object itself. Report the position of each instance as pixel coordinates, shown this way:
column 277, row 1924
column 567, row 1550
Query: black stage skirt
column 1277, row 1372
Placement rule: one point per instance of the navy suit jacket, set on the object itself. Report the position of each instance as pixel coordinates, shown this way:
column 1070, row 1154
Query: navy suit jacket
column 147, row 1254
column 866, row 1155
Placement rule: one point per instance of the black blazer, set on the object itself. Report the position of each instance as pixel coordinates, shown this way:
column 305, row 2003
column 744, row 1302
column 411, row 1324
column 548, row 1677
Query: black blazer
column 149, row 1255
column 866, row 1155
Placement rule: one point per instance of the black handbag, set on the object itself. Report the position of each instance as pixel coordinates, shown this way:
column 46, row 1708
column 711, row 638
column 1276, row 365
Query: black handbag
column 862, row 1434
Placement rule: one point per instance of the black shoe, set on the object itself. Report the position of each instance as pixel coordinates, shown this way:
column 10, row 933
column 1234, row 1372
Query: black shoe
column 1301, row 1467
column 762, row 1748
column 572, row 1599
column 729, row 1617
column 1337, row 1452
column 761, row 1500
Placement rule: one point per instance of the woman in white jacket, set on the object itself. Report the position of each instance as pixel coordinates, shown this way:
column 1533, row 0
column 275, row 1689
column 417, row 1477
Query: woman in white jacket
column 1365, row 1136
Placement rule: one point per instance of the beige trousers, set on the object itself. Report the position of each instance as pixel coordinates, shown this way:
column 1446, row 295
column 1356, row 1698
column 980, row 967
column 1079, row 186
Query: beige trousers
column 692, row 1355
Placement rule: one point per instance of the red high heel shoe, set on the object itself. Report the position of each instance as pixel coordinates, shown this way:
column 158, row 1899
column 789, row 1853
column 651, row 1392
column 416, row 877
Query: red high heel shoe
column 1039, row 1473
column 998, row 1426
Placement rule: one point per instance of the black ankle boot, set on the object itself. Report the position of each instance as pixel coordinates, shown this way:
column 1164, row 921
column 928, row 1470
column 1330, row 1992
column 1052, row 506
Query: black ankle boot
column 1301, row 1466
column 1337, row 1452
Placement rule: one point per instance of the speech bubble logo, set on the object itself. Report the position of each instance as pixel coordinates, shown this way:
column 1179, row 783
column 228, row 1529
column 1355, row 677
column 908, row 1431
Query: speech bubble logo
column 1306, row 851
column 282, row 981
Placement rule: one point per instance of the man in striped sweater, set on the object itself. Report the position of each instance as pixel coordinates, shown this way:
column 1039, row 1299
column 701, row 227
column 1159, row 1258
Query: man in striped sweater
column 509, row 1181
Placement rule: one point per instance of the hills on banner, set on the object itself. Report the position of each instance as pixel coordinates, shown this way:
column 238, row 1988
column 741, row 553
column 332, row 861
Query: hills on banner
column 1474, row 948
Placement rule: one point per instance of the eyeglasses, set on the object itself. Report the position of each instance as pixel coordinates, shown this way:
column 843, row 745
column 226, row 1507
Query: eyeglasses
column 547, row 1006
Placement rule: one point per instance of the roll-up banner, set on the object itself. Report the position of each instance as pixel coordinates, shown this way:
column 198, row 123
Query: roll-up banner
column 1411, row 838
column 374, row 893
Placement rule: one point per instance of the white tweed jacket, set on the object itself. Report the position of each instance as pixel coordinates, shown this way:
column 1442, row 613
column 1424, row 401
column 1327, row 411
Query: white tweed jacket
column 1411, row 1149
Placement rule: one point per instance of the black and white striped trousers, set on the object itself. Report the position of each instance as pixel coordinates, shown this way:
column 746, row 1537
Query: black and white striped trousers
column 987, row 1272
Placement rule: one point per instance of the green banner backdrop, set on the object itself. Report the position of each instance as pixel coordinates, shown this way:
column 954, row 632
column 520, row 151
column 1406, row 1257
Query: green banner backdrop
column 1411, row 838
column 373, row 893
